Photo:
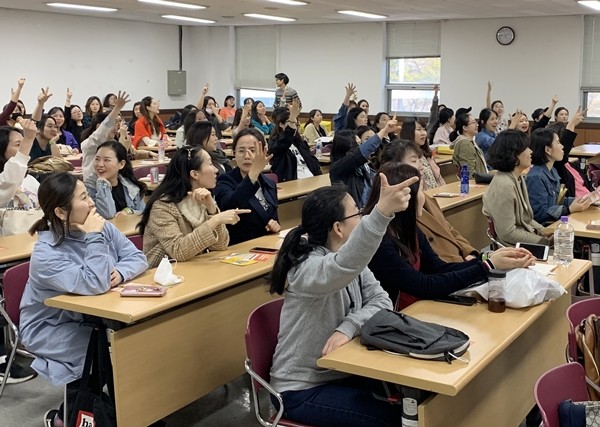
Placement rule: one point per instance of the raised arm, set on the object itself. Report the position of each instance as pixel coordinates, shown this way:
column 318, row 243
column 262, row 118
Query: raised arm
column 200, row 104
column 545, row 119
column 14, row 97
column 488, row 96
column 41, row 100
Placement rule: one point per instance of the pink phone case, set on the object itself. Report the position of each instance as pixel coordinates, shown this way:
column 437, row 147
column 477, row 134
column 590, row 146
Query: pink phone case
column 138, row 290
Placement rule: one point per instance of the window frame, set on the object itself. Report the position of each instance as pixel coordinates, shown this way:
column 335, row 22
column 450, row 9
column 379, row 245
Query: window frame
column 238, row 93
column 584, row 103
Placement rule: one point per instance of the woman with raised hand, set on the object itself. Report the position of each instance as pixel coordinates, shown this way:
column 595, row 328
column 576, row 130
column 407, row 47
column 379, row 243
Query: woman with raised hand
column 506, row 200
column 350, row 160
column 103, row 127
column 292, row 158
column 339, row 120
column 149, row 128
column 113, row 186
column 498, row 107
column 45, row 142
column 414, row 130
column 181, row 219
column 77, row 252
column 247, row 187
column 11, row 111
column 73, row 118
column 441, row 130
column 405, row 263
column 321, row 269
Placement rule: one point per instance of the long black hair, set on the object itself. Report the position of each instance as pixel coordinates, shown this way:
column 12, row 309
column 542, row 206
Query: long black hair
column 344, row 142
column 176, row 184
column 96, row 120
column 443, row 117
column 4, row 139
column 321, row 209
column 353, row 113
column 402, row 230
column 121, row 154
column 409, row 127
column 199, row 134
column 56, row 191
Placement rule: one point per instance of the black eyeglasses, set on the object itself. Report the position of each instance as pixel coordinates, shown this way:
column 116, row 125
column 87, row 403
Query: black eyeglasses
column 359, row 213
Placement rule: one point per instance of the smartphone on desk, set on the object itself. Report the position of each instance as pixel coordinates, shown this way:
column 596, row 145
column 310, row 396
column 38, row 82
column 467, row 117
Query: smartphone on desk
column 446, row 195
column 455, row 299
column 259, row 250
column 538, row 251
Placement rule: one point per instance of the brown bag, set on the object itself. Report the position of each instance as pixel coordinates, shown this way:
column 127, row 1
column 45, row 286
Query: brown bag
column 587, row 335
column 49, row 164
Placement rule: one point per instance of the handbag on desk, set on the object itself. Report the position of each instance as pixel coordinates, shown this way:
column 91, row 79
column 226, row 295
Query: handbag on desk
column 18, row 220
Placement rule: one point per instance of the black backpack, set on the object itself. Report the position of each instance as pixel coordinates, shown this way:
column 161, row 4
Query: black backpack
column 396, row 332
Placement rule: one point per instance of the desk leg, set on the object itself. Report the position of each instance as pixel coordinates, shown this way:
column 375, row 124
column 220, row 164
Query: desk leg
column 162, row 364
column 502, row 394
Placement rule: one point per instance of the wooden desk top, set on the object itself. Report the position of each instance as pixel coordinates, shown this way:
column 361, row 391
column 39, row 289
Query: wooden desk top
column 579, row 220
column 301, row 187
column 148, row 162
column 204, row 275
column 586, row 150
column 155, row 148
column 20, row 246
column 490, row 334
column 475, row 193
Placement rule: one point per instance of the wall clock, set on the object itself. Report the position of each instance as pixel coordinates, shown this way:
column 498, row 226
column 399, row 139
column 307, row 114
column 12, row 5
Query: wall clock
column 505, row 36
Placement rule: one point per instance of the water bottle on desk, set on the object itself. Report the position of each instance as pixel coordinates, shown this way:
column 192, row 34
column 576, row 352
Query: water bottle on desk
column 161, row 150
column 319, row 149
column 564, row 236
column 464, row 180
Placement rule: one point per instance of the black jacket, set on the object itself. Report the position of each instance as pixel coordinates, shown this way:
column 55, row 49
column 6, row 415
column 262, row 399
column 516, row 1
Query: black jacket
column 284, row 162
column 351, row 171
column 233, row 191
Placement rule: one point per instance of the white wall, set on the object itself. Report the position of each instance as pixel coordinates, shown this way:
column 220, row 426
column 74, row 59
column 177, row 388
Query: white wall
column 544, row 60
column 91, row 56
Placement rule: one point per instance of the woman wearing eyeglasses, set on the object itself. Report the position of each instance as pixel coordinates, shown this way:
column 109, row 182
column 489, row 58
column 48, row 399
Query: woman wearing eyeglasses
column 246, row 187
column 466, row 150
column 405, row 263
column 181, row 219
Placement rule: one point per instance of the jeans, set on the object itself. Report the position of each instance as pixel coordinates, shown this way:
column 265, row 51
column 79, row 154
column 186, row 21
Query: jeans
column 346, row 403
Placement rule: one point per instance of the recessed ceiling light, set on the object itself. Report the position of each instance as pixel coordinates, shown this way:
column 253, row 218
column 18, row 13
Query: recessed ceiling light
column 82, row 7
column 290, row 2
column 269, row 17
column 361, row 14
column 593, row 4
column 174, row 4
column 188, row 19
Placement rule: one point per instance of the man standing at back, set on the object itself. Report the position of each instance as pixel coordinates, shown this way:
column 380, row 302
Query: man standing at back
column 284, row 95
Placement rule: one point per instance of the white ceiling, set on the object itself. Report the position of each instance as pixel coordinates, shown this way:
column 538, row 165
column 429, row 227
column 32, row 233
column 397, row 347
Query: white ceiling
column 230, row 12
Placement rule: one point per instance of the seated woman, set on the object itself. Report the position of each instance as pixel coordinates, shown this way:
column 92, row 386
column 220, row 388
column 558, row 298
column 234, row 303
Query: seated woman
column 356, row 118
column 136, row 114
column 339, row 119
column 241, row 120
column 109, row 102
column 313, row 128
column 321, row 269
column 228, row 110
column 543, row 181
column 350, row 161
column 211, row 110
column 498, row 107
column 64, row 136
column 466, row 150
column 45, row 142
column 149, row 128
column 113, row 187
column 441, row 130
column 77, row 252
column 487, row 123
column 93, row 106
column 405, row 263
column 181, row 219
column 259, row 119
column 506, row 200
column 414, row 130
column 446, row 241
column 73, row 118
column 180, row 133
column 246, row 187
column 203, row 134
column 561, row 115
column 292, row 158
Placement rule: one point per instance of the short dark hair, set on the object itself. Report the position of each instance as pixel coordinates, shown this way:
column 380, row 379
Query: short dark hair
column 540, row 139
column 199, row 134
column 378, row 117
column 106, row 102
column 409, row 126
column 248, row 131
column 4, row 139
column 558, row 110
column 361, row 130
column 397, row 150
column 227, row 98
column 282, row 76
column 504, row 152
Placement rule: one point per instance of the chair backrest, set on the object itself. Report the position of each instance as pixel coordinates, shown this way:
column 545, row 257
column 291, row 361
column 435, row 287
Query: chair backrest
column 261, row 337
column 272, row 176
column 558, row 384
column 15, row 279
column 143, row 171
column 575, row 314
column 138, row 241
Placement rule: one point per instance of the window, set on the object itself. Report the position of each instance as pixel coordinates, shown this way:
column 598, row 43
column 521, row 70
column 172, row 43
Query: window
column 410, row 83
column 592, row 103
column 266, row 96
column 590, row 80
column 413, row 65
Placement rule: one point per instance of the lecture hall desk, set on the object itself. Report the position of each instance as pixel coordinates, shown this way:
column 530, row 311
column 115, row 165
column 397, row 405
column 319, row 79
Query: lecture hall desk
column 464, row 212
column 579, row 220
column 508, row 352
column 168, row 352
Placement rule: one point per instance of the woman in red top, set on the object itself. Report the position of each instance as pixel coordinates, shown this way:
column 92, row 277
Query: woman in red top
column 149, row 128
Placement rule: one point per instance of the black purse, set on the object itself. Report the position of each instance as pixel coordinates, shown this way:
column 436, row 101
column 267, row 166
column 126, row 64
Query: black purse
column 91, row 405
column 482, row 178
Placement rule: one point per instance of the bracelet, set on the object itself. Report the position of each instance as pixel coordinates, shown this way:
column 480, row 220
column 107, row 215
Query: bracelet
column 128, row 210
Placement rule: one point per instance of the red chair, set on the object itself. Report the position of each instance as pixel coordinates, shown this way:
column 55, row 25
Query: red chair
column 138, row 241
column 15, row 279
column 558, row 384
column 143, row 171
column 261, row 340
column 272, row 176
column 575, row 314
column 492, row 235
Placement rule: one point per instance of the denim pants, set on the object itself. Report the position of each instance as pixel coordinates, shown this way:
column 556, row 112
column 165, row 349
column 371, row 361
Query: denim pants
column 346, row 403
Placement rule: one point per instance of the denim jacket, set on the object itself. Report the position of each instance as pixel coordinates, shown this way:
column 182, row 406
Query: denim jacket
column 101, row 192
column 485, row 139
column 543, row 186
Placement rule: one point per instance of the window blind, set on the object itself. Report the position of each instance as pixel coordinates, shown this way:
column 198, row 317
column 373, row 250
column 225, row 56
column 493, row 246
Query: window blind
column 413, row 39
column 255, row 53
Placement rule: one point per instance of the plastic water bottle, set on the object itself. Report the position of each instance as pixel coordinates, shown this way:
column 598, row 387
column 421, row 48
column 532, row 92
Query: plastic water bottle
column 161, row 150
column 319, row 149
column 464, row 180
column 564, row 235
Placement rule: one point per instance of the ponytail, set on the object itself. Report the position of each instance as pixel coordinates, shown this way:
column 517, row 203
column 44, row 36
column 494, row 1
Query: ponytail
column 294, row 250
